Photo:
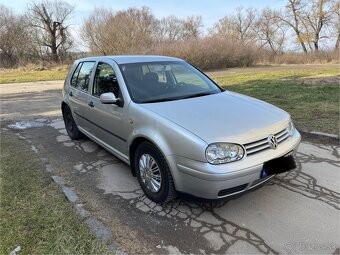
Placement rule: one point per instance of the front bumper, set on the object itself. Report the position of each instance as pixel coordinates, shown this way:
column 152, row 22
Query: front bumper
column 209, row 181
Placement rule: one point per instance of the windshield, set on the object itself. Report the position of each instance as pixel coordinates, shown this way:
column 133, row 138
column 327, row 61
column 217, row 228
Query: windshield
column 150, row 82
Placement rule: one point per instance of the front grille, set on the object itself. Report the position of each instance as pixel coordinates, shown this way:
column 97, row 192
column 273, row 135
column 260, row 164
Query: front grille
column 261, row 145
column 232, row 190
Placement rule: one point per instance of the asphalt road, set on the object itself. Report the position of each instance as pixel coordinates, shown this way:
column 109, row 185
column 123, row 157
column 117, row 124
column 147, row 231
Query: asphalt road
column 297, row 212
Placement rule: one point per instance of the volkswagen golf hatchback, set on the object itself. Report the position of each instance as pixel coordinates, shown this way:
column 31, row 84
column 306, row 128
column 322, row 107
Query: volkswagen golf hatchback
column 176, row 128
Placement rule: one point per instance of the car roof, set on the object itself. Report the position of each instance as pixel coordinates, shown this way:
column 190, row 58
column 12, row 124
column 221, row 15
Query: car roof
column 126, row 59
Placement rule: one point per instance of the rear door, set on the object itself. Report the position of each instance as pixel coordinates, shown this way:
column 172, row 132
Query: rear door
column 108, row 121
column 79, row 91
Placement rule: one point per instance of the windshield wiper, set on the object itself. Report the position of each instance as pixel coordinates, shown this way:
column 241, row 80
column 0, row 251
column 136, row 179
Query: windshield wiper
column 178, row 98
column 199, row 95
column 160, row 100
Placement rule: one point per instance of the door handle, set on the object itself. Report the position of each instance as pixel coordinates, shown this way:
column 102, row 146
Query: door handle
column 71, row 94
column 91, row 104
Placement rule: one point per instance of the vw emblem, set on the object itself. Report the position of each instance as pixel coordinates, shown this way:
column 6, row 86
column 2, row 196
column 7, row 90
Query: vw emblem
column 272, row 140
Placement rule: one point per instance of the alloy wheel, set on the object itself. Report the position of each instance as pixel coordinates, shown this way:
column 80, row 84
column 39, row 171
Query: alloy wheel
column 150, row 173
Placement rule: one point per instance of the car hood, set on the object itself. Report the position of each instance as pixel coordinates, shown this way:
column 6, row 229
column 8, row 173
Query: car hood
column 224, row 117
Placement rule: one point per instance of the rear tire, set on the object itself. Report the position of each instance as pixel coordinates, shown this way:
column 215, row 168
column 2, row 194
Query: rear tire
column 70, row 125
column 156, row 180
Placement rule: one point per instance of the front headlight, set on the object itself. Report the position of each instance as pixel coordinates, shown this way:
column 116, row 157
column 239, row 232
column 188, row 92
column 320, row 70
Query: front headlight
column 219, row 153
column 291, row 128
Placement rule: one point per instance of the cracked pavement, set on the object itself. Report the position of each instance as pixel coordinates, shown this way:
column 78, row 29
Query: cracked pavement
column 295, row 213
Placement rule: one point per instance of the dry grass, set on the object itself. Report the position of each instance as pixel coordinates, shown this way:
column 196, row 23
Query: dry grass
column 33, row 73
column 34, row 213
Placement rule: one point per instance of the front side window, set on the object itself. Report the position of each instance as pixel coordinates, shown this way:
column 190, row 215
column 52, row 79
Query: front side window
column 84, row 75
column 105, row 81
column 150, row 82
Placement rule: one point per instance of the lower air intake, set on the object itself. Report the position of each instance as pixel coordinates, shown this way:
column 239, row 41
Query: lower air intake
column 232, row 190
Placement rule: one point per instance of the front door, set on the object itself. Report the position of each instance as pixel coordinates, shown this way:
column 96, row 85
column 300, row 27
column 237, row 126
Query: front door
column 108, row 120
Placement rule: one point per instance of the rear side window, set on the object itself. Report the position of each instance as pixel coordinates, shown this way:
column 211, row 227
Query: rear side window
column 81, row 77
column 75, row 75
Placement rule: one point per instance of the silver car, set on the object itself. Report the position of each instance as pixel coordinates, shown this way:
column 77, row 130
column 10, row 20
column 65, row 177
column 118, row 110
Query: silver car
column 176, row 128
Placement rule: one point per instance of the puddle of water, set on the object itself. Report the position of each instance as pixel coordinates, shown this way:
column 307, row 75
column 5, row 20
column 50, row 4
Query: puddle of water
column 25, row 124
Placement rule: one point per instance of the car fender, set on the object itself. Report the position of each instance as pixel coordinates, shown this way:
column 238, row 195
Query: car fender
column 169, row 137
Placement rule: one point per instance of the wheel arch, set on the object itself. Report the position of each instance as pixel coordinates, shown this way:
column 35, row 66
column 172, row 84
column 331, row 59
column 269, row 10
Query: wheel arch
column 134, row 145
column 63, row 105
column 132, row 149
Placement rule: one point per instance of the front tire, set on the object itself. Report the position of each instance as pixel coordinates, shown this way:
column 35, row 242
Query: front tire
column 70, row 125
column 153, row 173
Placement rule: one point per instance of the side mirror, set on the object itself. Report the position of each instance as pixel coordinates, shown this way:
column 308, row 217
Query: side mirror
column 108, row 98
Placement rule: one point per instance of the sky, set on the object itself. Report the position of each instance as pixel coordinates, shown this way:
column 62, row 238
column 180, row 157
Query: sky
column 210, row 10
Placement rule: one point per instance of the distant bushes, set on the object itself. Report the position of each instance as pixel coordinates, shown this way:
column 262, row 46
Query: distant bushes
column 320, row 57
column 209, row 53
column 215, row 53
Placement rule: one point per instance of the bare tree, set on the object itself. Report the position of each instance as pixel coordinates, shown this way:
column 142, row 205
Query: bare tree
column 244, row 23
column 169, row 29
column 135, row 27
column 270, row 31
column 49, row 21
column 124, row 32
column 7, row 49
column 335, row 23
column 316, row 16
column 192, row 27
column 238, row 25
column 292, row 17
column 13, row 38
column 96, row 32
column 223, row 28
